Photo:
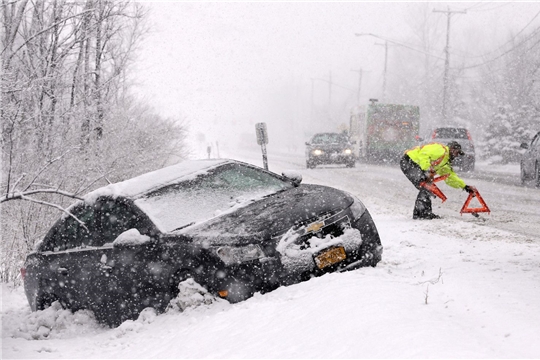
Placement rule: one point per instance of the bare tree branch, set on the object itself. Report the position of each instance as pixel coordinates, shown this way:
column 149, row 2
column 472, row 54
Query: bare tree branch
column 49, row 163
column 57, row 207
column 23, row 195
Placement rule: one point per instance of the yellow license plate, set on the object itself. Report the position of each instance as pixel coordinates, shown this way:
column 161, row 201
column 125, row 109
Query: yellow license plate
column 330, row 257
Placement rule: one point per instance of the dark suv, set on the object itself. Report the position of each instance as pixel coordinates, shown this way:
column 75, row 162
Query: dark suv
column 446, row 134
column 329, row 148
column 530, row 161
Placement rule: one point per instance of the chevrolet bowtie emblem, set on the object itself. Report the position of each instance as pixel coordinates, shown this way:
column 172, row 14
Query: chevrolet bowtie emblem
column 315, row 227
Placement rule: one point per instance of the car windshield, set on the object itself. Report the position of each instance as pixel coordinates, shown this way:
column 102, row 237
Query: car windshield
column 329, row 138
column 209, row 195
column 451, row 133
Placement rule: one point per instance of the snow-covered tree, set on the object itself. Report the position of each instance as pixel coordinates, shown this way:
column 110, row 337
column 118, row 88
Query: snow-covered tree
column 68, row 121
column 512, row 90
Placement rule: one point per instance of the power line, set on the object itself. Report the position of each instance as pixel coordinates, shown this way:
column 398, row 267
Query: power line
column 405, row 45
column 493, row 8
column 504, row 53
column 506, row 43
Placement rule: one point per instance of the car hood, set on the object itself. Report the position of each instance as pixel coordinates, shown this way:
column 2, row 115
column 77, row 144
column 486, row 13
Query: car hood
column 270, row 216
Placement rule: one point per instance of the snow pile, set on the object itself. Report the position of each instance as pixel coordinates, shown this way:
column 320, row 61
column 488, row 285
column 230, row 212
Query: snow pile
column 53, row 322
column 131, row 237
column 58, row 323
column 147, row 316
column 191, row 295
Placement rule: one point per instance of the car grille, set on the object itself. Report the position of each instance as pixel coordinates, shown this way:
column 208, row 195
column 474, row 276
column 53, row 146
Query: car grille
column 334, row 230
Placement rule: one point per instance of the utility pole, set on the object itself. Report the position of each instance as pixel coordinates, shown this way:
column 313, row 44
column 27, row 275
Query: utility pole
column 359, row 85
column 312, row 102
column 385, row 66
column 330, row 91
column 449, row 14
column 360, row 73
column 330, row 84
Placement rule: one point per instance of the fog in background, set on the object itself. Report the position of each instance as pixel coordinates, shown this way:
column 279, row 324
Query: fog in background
column 223, row 67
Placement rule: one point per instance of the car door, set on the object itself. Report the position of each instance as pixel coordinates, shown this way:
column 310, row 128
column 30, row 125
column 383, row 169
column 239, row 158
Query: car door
column 121, row 270
column 535, row 159
column 69, row 258
column 535, row 151
column 531, row 156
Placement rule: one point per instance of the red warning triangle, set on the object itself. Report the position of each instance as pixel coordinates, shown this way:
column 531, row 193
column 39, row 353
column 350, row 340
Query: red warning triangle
column 467, row 209
column 434, row 189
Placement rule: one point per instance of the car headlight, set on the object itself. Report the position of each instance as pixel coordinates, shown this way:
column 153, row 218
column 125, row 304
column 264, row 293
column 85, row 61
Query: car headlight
column 357, row 208
column 347, row 151
column 317, row 152
column 236, row 255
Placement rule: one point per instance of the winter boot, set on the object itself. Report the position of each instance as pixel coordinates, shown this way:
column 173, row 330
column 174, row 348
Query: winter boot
column 422, row 206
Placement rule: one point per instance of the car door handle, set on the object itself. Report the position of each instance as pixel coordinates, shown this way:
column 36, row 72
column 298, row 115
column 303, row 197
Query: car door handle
column 62, row 271
column 105, row 268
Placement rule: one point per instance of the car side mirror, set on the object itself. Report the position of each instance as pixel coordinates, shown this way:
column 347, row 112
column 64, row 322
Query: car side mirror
column 307, row 143
column 524, row 146
column 293, row 176
column 131, row 238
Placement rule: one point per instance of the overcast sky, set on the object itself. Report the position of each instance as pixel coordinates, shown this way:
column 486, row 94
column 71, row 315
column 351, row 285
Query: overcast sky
column 225, row 66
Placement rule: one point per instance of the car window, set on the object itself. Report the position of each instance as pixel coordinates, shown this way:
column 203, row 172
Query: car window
column 113, row 217
column 68, row 233
column 450, row 133
column 103, row 222
column 208, row 195
column 328, row 138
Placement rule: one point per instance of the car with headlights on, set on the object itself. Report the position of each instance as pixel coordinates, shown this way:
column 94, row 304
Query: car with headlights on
column 530, row 161
column 234, row 228
column 329, row 148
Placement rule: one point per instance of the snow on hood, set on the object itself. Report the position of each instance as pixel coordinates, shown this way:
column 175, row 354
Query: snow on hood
column 137, row 186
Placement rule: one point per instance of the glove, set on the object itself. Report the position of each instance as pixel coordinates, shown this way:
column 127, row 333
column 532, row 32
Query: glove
column 469, row 189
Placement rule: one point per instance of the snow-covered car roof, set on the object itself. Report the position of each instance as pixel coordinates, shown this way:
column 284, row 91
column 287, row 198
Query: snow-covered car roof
column 142, row 184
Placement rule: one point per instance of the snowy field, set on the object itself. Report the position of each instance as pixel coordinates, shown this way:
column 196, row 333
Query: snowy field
column 458, row 287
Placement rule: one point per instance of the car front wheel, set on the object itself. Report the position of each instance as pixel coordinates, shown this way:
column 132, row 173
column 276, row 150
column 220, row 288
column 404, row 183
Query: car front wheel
column 43, row 301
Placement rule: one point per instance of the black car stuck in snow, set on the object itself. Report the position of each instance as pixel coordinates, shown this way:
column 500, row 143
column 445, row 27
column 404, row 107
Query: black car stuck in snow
column 234, row 228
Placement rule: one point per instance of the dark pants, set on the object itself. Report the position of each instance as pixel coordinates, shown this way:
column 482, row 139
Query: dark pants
column 413, row 172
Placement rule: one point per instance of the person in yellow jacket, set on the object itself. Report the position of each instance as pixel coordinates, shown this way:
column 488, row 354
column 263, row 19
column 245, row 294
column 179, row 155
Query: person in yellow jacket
column 422, row 163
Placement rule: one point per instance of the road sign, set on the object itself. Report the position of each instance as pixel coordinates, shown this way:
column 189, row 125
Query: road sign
column 262, row 133
column 262, row 139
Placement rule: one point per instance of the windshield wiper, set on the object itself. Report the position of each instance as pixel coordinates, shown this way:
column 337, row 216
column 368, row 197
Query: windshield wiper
column 274, row 193
column 183, row 226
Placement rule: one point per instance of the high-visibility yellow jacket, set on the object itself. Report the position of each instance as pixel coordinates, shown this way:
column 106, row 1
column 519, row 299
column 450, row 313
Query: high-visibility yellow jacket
column 435, row 157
